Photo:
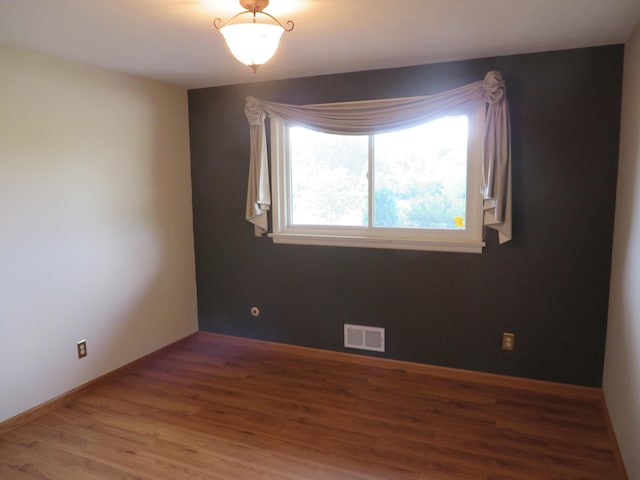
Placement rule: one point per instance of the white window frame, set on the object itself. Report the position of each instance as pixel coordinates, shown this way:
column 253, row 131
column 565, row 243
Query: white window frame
column 468, row 240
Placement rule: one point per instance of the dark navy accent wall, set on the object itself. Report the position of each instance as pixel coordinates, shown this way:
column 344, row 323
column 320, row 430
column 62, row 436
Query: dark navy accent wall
column 550, row 285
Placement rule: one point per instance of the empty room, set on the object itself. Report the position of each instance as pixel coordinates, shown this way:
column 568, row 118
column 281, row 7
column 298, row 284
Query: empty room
column 319, row 239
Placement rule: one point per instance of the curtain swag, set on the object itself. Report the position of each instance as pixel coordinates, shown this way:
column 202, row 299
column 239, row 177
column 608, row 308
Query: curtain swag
column 377, row 116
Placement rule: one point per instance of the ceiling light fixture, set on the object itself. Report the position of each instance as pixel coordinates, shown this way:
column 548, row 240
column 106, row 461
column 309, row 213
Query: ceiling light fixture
column 254, row 42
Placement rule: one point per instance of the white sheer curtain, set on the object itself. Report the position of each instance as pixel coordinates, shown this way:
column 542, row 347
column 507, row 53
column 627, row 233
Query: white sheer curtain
column 376, row 116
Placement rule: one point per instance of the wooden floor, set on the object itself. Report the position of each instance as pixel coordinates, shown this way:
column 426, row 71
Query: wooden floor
column 212, row 409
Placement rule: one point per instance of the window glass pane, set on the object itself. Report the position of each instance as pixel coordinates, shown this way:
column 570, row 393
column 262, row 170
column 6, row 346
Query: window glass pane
column 421, row 176
column 329, row 183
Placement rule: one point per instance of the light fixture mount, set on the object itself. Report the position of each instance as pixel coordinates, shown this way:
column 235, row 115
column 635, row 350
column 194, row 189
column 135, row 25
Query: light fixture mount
column 253, row 42
column 256, row 5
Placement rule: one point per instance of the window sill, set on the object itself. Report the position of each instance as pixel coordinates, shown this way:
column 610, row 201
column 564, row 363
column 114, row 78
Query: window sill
column 368, row 242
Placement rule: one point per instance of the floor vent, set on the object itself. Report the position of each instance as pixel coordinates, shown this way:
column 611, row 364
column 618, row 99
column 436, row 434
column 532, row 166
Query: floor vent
column 364, row 338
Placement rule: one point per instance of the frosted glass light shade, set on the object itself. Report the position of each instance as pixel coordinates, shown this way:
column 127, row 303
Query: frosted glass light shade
column 252, row 43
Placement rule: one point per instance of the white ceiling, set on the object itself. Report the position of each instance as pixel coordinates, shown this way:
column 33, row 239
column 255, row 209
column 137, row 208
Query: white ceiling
column 174, row 40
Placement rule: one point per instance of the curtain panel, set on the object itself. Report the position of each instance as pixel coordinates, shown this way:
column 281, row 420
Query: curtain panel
column 378, row 116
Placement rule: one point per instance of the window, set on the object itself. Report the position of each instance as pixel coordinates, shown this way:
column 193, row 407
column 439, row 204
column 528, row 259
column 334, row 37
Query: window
column 415, row 189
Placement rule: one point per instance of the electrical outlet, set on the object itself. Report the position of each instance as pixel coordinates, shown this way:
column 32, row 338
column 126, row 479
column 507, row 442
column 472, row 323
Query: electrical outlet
column 508, row 339
column 82, row 348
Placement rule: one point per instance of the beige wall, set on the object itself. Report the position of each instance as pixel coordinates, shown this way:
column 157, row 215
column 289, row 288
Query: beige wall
column 95, row 223
column 621, row 381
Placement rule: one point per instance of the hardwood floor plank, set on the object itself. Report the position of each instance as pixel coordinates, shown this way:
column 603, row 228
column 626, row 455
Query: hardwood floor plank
column 213, row 409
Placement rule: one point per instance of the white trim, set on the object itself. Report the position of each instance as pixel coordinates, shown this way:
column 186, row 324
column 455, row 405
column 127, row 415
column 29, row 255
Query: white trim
column 280, row 177
column 368, row 242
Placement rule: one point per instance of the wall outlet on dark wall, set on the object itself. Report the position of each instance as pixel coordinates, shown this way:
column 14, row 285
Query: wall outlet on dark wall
column 508, row 340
